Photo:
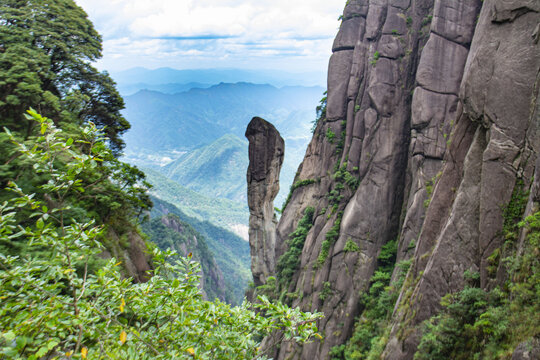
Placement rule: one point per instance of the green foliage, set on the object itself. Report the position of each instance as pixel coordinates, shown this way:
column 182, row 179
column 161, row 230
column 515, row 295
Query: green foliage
column 220, row 212
column 170, row 232
column 344, row 176
column 53, row 306
column 409, row 21
column 230, row 251
column 104, row 189
column 289, row 262
column 480, row 324
column 213, row 169
column 376, row 55
column 330, row 135
column 427, row 20
column 329, row 240
column 321, row 111
column 351, row 246
column 513, row 212
column 372, row 327
column 430, row 184
column 326, row 291
column 45, row 62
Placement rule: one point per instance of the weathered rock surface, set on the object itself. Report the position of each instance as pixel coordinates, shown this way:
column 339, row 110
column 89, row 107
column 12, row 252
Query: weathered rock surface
column 266, row 151
column 433, row 110
column 134, row 257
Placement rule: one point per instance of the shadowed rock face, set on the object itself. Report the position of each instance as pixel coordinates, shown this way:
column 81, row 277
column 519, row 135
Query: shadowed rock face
column 433, row 105
column 266, row 151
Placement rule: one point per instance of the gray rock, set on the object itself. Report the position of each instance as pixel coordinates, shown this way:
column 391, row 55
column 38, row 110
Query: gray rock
column 390, row 46
column 396, row 21
column 339, row 70
column 468, row 131
column 266, row 152
column 441, row 65
column 374, row 20
column 527, row 350
column 455, row 20
column 349, row 33
column 355, row 8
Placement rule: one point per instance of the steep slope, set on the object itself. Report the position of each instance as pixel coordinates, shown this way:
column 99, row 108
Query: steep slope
column 429, row 133
column 231, row 253
column 169, row 232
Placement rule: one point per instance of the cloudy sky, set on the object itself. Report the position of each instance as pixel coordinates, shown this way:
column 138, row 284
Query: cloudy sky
column 293, row 35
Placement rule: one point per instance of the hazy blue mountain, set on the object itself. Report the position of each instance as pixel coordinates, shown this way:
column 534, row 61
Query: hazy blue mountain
column 164, row 122
column 127, row 89
column 216, row 76
column 219, row 170
column 197, row 137
column 215, row 169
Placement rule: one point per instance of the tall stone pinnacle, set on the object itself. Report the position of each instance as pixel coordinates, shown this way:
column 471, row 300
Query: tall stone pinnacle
column 266, row 151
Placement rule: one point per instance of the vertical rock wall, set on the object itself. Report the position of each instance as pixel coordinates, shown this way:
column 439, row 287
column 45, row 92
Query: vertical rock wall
column 431, row 123
column 493, row 151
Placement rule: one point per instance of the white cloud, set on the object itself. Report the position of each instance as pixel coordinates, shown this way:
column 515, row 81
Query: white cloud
column 215, row 33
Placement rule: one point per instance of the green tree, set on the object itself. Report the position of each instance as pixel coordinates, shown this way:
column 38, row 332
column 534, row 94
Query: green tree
column 46, row 50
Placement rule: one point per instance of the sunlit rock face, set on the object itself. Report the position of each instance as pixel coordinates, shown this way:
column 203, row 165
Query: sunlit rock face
column 432, row 110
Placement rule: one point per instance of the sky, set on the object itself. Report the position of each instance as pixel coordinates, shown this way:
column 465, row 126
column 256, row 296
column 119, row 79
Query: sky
column 289, row 35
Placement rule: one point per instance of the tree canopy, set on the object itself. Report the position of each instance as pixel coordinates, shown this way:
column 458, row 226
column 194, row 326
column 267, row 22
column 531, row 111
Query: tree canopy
column 46, row 51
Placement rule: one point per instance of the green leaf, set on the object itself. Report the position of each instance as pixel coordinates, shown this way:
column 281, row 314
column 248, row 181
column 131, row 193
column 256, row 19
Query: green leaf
column 9, row 336
column 40, row 224
column 69, row 142
column 42, row 351
column 52, row 344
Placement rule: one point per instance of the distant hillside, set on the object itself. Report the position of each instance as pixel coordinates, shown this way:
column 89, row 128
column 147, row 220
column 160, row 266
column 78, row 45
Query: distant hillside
column 230, row 251
column 214, row 170
column 170, row 232
column 225, row 213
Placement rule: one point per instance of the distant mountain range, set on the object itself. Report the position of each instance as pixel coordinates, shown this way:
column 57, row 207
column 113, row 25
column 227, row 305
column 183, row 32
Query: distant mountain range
column 128, row 79
column 127, row 89
column 225, row 213
column 197, row 137
column 215, row 169
column 163, row 122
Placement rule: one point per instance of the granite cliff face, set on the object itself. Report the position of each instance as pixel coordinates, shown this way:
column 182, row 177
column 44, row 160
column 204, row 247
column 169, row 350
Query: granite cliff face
column 266, row 150
column 431, row 128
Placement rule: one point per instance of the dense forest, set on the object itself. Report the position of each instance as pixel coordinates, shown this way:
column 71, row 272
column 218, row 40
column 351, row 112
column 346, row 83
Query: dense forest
column 77, row 278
